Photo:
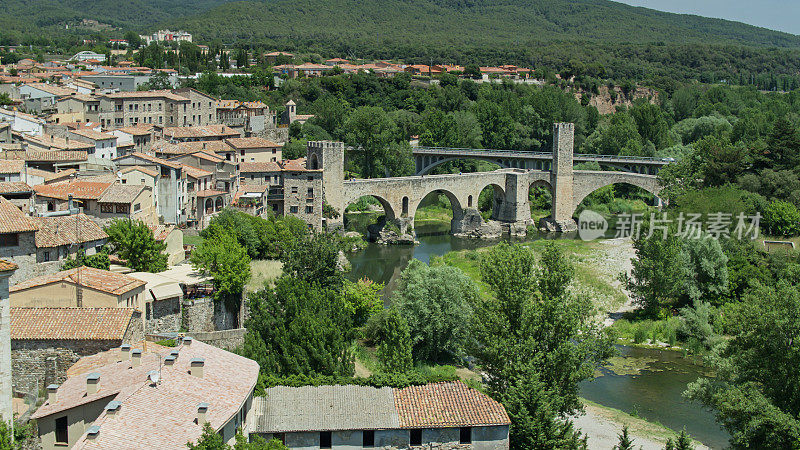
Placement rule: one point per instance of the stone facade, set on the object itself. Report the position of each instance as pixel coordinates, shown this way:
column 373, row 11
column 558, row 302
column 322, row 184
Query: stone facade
column 163, row 315
column 6, row 411
column 38, row 363
column 329, row 156
column 203, row 315
column 302, row 196
column 225, row 339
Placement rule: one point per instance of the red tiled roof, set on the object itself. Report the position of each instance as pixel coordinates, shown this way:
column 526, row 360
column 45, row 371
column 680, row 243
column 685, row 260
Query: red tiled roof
column 6, row 266
column 11, row 166
column 70, row 323
column 91, row 190
column 152, row 159
column 450, row 404
column 200, row 132
column 145, row 170
column 195, row 172
column 65, row 230
column 101, row 280
column 251, row 142
column 12, row 187
column 13, row 220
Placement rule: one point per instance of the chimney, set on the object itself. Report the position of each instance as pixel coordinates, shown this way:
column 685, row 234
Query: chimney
column 112, row 408
column 170, row 360
column 67, row 139
column 187, row 340
column 52, row 393
column 196, row 367
column 136, row 357
column 69, row 203
column 124, row 352
column 202, row 410
column 175, row 353
column 92, row 432
column 92, row 383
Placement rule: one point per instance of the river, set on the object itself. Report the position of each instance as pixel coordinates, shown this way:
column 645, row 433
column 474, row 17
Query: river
column 654, row 393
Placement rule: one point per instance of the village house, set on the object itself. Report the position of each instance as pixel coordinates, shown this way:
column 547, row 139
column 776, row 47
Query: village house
column 168, row 108
column 198, row 133
column 7, row 268
column 77, row 108
column 45, row 342
column 171, row 182
column 440, row 415
column 23, row 123
column 272, row 57
column 197, row 180
column 136, row 139
column 41, row 98
column 255, row 149
column 225, row 172
column 246, row 117
column 159, row 399
column 83, row 287
column 18, row 193
column 100, row 199
column 48, row 161
column 105, row 145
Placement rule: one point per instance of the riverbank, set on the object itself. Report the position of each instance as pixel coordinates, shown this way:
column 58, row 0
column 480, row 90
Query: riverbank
column 602, row 425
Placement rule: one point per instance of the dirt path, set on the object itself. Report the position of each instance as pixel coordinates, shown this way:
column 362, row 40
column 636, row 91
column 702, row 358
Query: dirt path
column 618, row 255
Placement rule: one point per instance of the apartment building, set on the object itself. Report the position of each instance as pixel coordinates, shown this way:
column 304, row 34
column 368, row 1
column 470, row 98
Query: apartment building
column 167, row 108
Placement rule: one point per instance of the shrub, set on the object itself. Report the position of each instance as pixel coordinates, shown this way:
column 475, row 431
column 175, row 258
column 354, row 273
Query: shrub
column 782, row 219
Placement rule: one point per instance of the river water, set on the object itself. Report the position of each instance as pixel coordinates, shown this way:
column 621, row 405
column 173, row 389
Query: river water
column 653, row 393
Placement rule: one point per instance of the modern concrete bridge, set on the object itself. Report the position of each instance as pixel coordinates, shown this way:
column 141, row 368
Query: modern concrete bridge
column 401, row 196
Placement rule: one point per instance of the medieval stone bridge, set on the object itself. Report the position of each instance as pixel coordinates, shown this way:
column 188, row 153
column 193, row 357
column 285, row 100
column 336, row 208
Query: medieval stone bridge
column 401, row 196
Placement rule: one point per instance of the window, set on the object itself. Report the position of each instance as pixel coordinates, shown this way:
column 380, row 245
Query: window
column 9, row 240
column 293, row 209
column 141, row 180
column 107, row 208
column 46, row 256
column 310, row 178
column 242, row 152
column 325, row 439
column 280, row 436
column 294, row 189
column 368, row 438
column 465, row 435
column 310, row 193
column 124, row 181
column 122, row 209
column 137, row 207
column 51, row 206
column 309, row 209
column 62, row 436
column 415, row 437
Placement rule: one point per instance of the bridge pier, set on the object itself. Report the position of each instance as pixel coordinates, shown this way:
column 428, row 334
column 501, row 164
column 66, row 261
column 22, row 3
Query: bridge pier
column 562, row 181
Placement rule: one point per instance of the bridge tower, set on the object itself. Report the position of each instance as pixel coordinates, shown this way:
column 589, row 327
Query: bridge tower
column 562, row 180
column 329, row 157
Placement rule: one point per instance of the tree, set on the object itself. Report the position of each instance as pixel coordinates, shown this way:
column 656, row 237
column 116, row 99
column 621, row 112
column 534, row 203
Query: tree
column 134, row 41
column 535, row 342
column 625, row 441
column 134, row 242
column 756, row 388
column 437, row 304
column 394, row 349
column 99, row 260
column 211, row 440
column 362, row 300
column 783, row 147
column 226, row 261
column 683, row 441
column 315, row 261
column 782, row 219
column 658, row 272
column 6, row 436
column 157, row 81
column 370, row 129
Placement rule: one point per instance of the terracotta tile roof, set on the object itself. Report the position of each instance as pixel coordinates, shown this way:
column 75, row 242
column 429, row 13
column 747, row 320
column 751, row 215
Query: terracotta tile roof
column 91, row 190
column 252, row 167
column 57, row 143
column 144, row 170
column 14, row 187
column 138, row 130
column 59, row 175
column 101, row 280
column 13, row 220
column 209, row 193
column 152, row 159
column 196, row 172
column 204, row 146
column 93, row 135
column 200, row 132
column 160, row 416
column 7, row 266
column 110, row 356
column 52, row 89
column 121, row 193
column 208, row 157
column 294, row 165
column 450, row 404
column 45, row 156
column 70, row 323
column 251, row 142
column 12, row 166
column 65, row 230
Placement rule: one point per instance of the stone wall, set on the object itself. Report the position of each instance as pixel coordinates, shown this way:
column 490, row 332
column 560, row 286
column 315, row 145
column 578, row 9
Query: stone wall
column 278, row 135
column 164, row 315
column 38, row 363
column 226, row 339
column 202, row 314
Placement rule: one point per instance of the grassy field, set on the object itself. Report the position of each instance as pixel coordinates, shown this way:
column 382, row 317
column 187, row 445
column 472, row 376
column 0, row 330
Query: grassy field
column 263, row 272
column 192, row 240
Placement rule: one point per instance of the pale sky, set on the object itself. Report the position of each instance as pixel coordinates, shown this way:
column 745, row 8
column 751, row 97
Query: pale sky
column 782, row 15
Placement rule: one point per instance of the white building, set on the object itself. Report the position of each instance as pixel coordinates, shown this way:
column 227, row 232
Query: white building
column 86, row 55
column 166, row 36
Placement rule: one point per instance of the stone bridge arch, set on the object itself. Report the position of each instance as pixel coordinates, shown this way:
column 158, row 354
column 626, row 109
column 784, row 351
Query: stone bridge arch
column 586, row 182
column 389, row 210
column 426, row 163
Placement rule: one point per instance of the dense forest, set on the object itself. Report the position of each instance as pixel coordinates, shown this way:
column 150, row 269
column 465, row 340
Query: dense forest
column 616, row 40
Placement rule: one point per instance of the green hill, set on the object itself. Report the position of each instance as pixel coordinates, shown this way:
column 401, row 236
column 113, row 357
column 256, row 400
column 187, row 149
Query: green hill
column 468, row 23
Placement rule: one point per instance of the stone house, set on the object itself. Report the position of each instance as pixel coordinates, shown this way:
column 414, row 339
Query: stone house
column 260, row 173
column 60, row 237
column 249, row 117
column 111, row 405
column 77, row 108
column 81, row 287
column 142, row 176
column 440, row 415
column 172, row 236
column 140, row 137
column 197, row 180
column 105, row 144
column 127, row 201
column 225, row 173
column 198, row 133
column 42, row 98
column 50, row 143
column 255, row 149
column 167, row 108
column 18, row 193
column 45, row 342
column 170, row 195
column 17, row 239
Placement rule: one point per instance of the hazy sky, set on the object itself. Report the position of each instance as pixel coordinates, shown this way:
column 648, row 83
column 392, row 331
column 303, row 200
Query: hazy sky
column 783, row 15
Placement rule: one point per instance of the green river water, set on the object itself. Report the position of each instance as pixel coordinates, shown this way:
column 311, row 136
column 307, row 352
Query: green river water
column 653, row 393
